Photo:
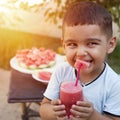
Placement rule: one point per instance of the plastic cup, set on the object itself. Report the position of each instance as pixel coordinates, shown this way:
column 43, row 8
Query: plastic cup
column 70, row 94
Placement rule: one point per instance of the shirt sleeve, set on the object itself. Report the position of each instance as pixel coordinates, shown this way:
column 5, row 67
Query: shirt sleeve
column 53, row 88
column 112, row 104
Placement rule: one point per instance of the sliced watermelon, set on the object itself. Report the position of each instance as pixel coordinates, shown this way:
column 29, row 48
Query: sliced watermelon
column 51, row 63
column 81, row 63
column 44, row 75
column 36, row 58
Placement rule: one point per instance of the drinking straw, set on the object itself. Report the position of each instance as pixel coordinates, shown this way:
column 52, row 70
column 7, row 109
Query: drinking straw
column 78, row 74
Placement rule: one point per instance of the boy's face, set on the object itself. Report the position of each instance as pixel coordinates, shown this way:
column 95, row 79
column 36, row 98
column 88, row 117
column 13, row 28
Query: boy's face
column 87, row 43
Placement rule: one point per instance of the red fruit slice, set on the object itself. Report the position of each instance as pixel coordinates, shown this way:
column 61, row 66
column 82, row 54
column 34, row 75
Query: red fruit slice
column 44, row 75
column 83, row 64
column 36, row 57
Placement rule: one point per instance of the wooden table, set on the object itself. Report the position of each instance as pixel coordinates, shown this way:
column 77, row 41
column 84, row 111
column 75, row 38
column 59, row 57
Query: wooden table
column 25, row 90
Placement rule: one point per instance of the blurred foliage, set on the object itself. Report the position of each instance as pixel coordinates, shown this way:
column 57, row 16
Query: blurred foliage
column 56, row 13
column 12, row 40
column 114, row 58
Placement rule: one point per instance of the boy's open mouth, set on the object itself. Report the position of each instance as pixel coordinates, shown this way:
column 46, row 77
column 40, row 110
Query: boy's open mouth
column 83, row 63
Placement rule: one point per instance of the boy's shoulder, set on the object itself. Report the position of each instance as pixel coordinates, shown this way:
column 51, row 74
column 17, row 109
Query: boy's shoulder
column 110, row 69
column 110, row 73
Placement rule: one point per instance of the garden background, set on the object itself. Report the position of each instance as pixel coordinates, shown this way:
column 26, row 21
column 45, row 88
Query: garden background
column 24, row 24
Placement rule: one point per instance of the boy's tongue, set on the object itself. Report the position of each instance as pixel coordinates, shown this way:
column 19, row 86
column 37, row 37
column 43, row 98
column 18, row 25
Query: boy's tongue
column 83, row 64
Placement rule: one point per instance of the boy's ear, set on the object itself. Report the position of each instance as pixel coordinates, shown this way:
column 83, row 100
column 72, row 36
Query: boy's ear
column 111, row 45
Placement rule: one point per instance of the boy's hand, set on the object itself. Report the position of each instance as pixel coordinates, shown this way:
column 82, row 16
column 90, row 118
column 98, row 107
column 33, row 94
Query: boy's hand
column 82, row 110
column 59, row 110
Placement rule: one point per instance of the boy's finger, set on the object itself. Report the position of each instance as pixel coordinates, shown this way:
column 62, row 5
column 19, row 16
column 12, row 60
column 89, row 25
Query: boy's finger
column 78, row 114
column 60, row 113
column 56, row 102
column 84, row 103
column 59, row 108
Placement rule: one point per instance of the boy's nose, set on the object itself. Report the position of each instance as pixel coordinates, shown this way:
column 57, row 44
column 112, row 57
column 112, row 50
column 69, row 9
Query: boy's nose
column 81, row 51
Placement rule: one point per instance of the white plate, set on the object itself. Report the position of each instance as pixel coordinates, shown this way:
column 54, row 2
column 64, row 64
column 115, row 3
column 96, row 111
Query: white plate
column 35, row 75
column 14, row 64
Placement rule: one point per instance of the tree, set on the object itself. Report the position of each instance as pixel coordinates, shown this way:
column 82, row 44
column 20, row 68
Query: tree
column 56, row 14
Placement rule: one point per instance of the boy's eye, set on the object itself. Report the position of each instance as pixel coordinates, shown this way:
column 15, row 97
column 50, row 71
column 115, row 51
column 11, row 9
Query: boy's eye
column 92, row 44
column 71, row 45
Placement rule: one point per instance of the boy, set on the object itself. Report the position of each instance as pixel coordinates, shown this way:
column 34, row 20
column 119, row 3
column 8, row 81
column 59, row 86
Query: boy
column 87, row 36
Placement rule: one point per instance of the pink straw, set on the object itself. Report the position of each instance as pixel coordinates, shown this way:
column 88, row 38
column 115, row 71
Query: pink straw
column 78, row 74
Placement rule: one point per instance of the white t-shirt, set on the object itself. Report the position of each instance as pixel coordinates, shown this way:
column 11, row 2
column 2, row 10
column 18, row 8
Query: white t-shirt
column 103, row 92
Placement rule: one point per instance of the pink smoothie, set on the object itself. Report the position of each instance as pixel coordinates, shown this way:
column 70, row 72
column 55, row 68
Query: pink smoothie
column 70, row 94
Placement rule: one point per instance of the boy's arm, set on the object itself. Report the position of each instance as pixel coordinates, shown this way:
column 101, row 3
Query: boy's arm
column 46, row 111
column 98, row 116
